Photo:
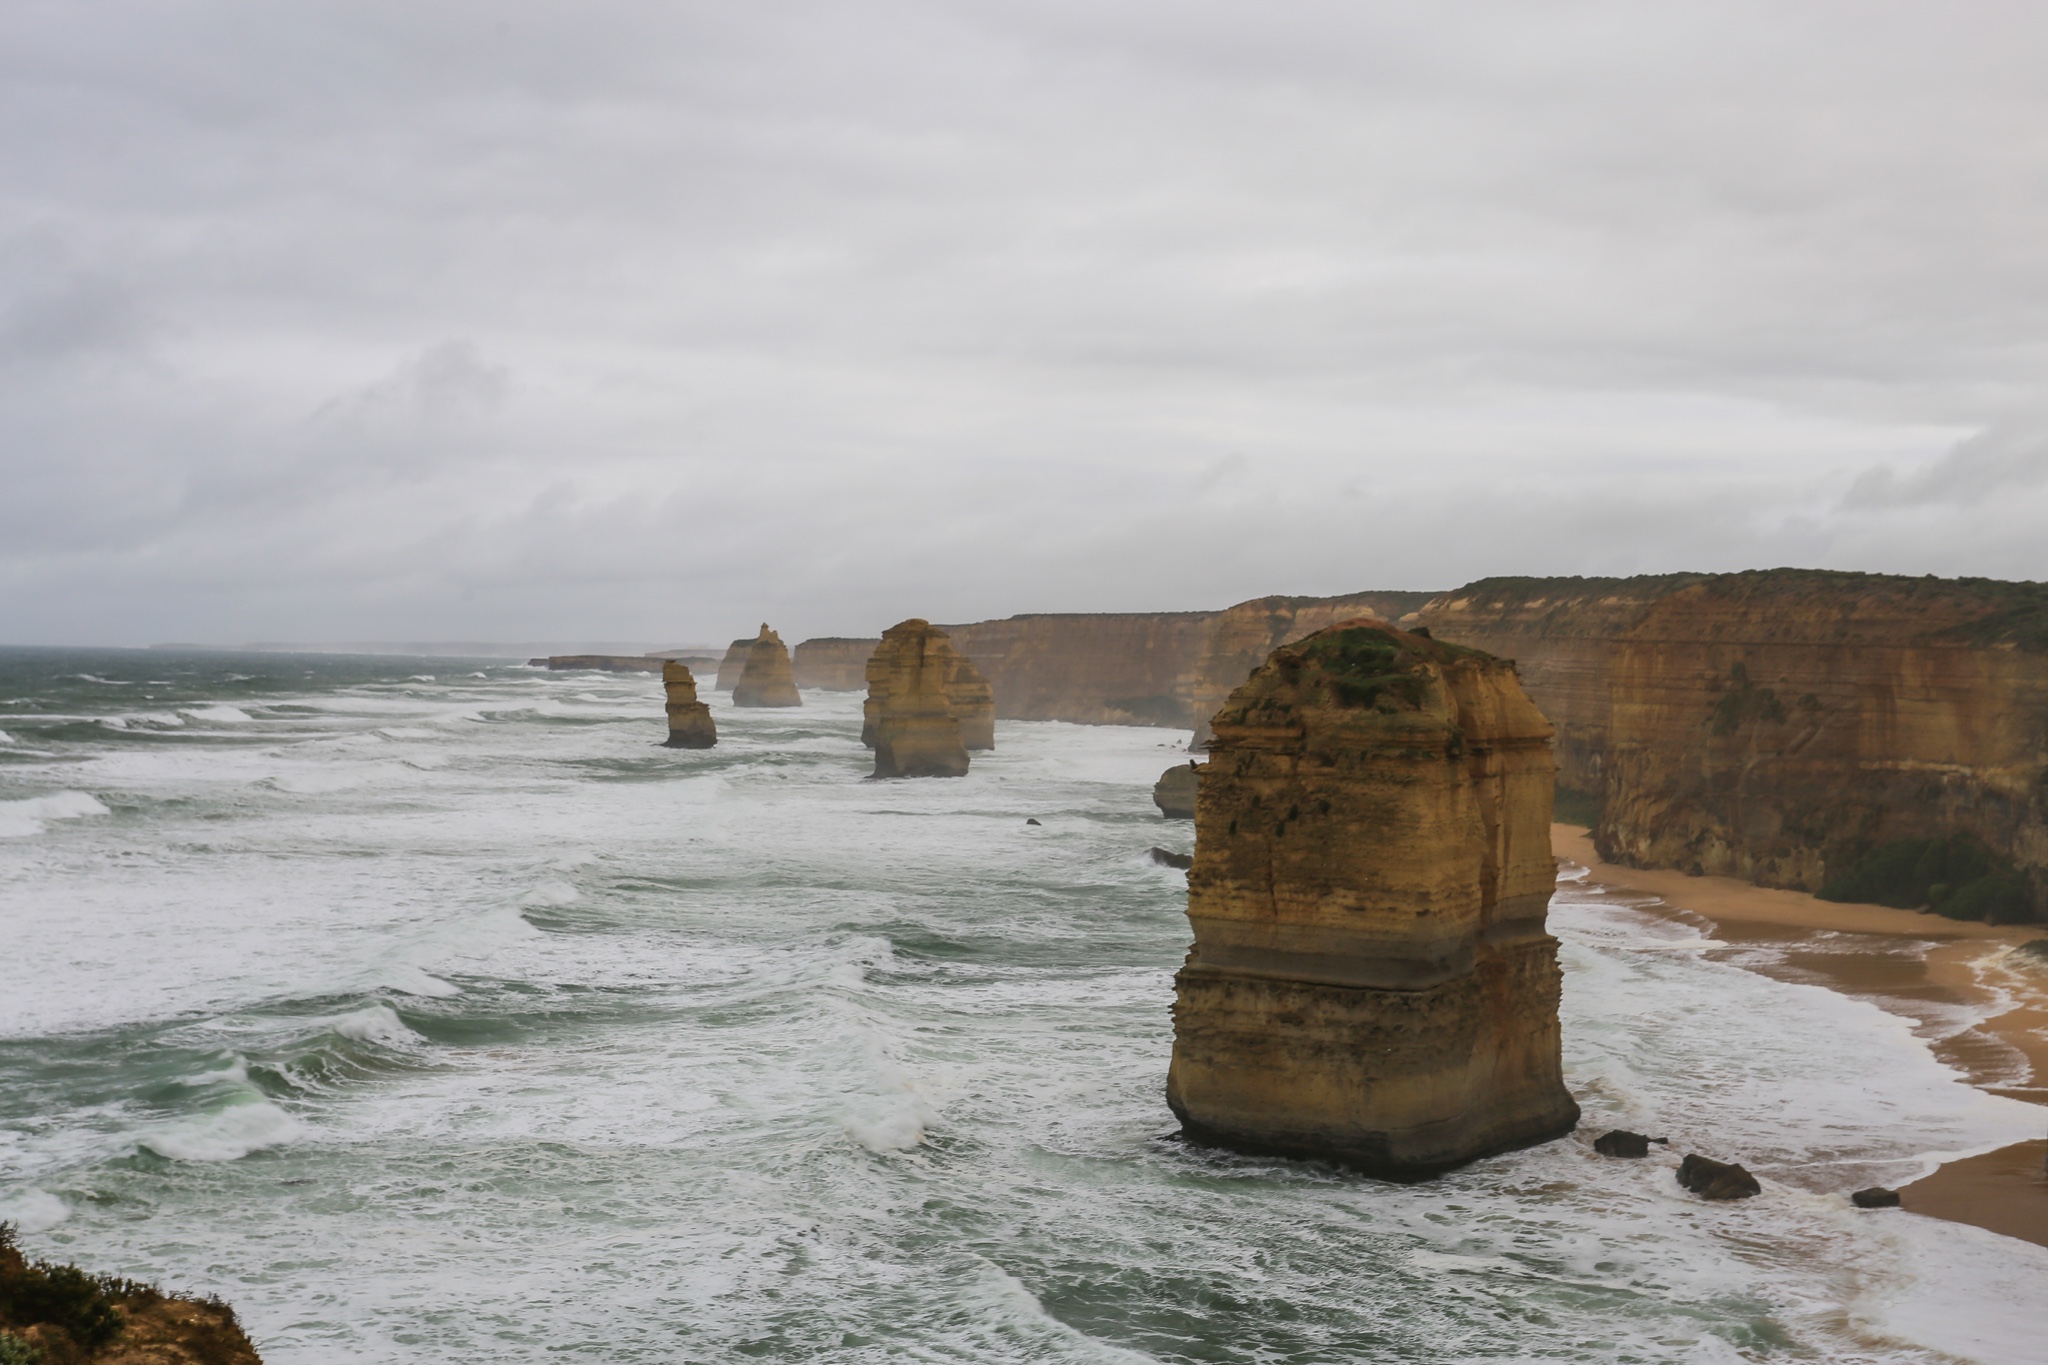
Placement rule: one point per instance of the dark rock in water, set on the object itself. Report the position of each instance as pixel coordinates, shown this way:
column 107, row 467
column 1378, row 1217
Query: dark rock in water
column 1621, row 1142
column 1030, row 822
column 1876, row 1197
column 2034, row 947
column 1166, row 857
column 1711, row 1179
column 1174, row 792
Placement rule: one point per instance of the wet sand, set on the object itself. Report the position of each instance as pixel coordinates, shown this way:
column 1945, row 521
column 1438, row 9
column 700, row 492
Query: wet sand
column 1917, row 965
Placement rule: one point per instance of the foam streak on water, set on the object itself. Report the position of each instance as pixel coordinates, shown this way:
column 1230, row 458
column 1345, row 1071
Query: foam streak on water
column 432, row 1014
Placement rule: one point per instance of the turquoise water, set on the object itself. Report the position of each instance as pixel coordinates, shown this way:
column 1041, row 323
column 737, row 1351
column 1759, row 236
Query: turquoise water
column 430, row 1011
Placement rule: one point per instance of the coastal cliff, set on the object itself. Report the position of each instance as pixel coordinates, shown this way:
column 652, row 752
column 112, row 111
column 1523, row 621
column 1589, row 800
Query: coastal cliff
column 1371, row 979
column 972, row 699
column 1146, row 668
column 832, row 663
column 909, row 716
column 690, row 725
column 1794, row 728
column 767, row 679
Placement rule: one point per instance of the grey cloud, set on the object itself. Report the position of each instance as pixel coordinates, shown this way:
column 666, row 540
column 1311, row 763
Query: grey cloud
column 2009, row 457
column 635, row 320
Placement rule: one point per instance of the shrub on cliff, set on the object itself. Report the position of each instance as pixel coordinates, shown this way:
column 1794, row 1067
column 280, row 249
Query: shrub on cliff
column 84, row 1308
column 1952, row 875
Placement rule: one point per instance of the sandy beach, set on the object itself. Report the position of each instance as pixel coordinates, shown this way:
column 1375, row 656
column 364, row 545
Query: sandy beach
column 1917, row 965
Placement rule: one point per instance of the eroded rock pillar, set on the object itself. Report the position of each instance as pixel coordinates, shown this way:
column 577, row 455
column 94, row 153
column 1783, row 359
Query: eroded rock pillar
column 689, row 721
column 1371, row 979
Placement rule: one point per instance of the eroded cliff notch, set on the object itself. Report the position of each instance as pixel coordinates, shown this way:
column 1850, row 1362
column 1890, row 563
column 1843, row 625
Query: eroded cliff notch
column 909, row 719
column 767, row 679
column 689, row 721
column 1371, row 979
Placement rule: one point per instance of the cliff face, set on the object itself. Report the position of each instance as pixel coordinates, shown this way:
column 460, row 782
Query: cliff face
column 767, row 679
column 909, row 714
column 60, row 1315
column 1778, row 725
column 734, row 663
column 832, row 663
column 1140, row 668
column 1371, row 979
column 689, row 721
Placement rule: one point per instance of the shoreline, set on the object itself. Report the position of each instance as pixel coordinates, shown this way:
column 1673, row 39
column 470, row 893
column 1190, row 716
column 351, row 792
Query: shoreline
column 2003, row 1191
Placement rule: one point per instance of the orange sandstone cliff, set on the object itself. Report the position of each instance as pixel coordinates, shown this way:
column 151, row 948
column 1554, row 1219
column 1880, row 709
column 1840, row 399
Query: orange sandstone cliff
column 1786, row 726
column 1140, row 668
column 689, row 721
column 909, row 714
column 832, row 663
column 767, row 679
column 1371, row 980
column 972, row 699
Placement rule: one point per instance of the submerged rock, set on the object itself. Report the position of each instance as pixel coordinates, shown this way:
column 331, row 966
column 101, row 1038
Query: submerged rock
column 1174, row 792
column 689, row 721
column 1371, row 980
column 1711, row 1179
column 1621, row 1142
column 909, row 716
column 767, row 679
column 1876, row 1197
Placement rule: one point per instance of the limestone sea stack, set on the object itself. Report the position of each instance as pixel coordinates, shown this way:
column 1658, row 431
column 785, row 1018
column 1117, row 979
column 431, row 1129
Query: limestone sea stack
column 689, row 721
column 909, row 716
column 734, row 663
column 767, row 680
column 1371, row 980
column 972, row 699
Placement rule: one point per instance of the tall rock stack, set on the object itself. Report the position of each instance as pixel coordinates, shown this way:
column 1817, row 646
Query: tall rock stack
column 767, row 680
column 972, row 699
column 1371, row 980
column 689, row 721
column 909, row 717
column 734, row 663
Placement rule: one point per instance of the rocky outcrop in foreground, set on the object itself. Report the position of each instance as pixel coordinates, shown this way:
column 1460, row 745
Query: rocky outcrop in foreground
column 689, row 721
column 909, row 718
column 833, row 663
column 1371, row 980
column 767, row 679
column 60, row 1315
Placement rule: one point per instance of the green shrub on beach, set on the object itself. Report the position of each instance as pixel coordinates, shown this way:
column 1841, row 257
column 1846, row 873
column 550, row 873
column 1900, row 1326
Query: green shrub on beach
column 15, row 1351
column 1952, row 875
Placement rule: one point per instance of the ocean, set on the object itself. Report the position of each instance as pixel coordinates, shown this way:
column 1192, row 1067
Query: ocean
column 429, row 1011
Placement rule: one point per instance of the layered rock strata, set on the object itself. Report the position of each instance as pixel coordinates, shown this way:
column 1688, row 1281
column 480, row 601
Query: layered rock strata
column 767, row 679
column 1371, row 980
column 1779, row 726
column 832, row 663
column 909, row 714
column 734, row 663
column 689, row 721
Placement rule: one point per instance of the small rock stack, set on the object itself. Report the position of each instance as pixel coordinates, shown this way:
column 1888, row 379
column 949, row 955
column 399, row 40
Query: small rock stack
column 909, row 718
column 689, row 721
column 972, row 698
column 767, row 679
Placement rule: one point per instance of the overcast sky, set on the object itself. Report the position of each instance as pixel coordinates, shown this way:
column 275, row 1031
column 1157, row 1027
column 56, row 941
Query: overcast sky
column 647, row 321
